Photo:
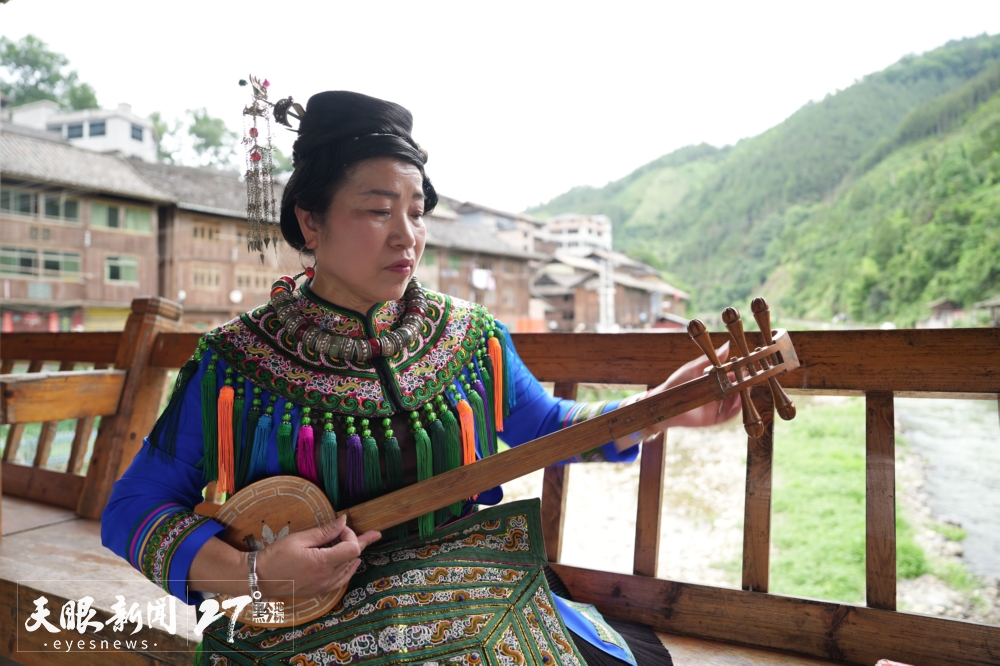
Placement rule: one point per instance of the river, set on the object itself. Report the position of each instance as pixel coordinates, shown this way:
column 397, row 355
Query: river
column 960, row 440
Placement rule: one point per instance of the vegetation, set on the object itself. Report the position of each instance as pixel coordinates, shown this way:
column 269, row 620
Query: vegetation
column 36, row 73
column 869, row 203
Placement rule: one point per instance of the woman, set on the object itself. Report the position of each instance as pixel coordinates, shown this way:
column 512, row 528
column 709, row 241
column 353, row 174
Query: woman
column 362, row 382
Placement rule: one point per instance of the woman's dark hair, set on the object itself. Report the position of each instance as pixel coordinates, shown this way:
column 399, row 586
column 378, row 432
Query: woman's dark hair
column 340, row 129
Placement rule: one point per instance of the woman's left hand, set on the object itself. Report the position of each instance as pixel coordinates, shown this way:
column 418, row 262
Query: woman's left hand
column 707, row 415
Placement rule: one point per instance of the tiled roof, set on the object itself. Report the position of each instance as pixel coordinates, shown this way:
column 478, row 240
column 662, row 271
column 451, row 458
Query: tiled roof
column 28, row 156
column 199, row 189
column 470, row 238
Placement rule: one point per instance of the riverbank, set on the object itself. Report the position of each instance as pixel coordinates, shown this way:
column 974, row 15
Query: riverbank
column 818, row 517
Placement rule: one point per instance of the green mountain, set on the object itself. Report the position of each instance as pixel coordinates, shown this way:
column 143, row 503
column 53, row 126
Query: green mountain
column 869, row 203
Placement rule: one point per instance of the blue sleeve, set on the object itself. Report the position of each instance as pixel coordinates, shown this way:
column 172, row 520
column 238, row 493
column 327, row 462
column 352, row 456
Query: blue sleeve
column 149, row 519
column 536, row 413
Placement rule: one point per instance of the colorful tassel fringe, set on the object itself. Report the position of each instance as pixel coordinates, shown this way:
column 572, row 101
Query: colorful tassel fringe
column 355, row 464
column 373, row 468
column 227, row 467
column 496, row 360
column 305, row 452
column 467, row 419
column 286, row 448
column 328, row 456
column 425, row 470
column 241, row 455
column 262, row 433
column 209, row 422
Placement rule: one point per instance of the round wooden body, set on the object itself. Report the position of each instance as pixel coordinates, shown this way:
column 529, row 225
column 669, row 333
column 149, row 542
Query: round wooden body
column 266, row 511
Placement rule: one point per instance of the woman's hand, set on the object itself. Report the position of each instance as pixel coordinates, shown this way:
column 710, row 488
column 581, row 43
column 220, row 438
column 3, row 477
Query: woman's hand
column 298, row 558
column 302, row 558
column 706, row 415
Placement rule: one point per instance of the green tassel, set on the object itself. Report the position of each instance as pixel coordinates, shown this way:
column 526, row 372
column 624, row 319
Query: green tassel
column 373, row 468
column 253, row 416
column 439, row 449
column 488, row 407
column 163, row 437
column 209, row 421
column 286, row 447
column 328, row 456
column 241, row 453
column 425, row 470
column 479, row 413
column 454, row 446
column 393, row 475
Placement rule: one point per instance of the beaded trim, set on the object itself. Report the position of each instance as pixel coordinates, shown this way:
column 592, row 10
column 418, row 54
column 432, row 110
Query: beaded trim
column 342, row 347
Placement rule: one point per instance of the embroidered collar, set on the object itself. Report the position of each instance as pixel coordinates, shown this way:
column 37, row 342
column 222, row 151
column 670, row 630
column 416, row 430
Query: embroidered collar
column 257, row 345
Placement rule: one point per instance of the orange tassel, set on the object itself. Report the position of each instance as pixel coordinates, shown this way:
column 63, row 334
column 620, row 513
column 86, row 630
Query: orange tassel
column 226, row 453
column 468, row 425
column 496, row 357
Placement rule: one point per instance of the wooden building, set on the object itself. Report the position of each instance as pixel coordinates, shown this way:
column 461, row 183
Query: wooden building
column 570, row 286
column 202, row 258
column 78, row 229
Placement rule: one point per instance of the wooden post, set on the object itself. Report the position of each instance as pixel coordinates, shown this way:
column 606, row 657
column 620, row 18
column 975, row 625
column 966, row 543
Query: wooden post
column 880, row 501
column 48, row 431
column 757, row 505
column 16, row 430
column 81, row 438
column 555, row 489
column 646, row 557
column 121, row 435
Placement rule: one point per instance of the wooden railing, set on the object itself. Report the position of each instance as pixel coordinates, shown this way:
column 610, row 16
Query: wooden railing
column 877, row 364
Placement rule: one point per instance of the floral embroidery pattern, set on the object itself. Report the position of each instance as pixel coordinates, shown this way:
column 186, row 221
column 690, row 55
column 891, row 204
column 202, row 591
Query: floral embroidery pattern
column 163, row 537
column 473, row 594
column 259, row 347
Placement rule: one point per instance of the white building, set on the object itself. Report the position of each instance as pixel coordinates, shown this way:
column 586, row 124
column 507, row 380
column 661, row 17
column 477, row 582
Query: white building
column 103, row 131
column 579, row 234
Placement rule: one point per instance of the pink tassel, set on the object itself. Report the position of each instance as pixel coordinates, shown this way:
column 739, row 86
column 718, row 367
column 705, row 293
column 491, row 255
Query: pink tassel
column 305, row 456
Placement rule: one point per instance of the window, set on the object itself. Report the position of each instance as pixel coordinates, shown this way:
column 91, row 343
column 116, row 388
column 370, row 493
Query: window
column 250, row 280
column 138, row 219
column 103, row 215
column 211, row 232
column 60, row 264
column 485, row 264
column 54, row 128
column 97, row 128
column 18, row 201
column 115, row 217
column 121, row 269
column 205, row 277
column 58, row 207
column 429, row 258
column 136, row 132
column 490, row 297
column 454, row 261
column 18, row 261
column 511, row 267
column 74, row 131
column 508, row 298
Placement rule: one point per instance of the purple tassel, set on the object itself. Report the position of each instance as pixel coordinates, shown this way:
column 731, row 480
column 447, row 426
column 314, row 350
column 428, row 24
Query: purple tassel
column 306, row 454
column 355, row 469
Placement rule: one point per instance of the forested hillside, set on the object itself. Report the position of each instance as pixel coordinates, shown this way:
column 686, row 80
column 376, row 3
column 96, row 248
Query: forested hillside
column 869, row 203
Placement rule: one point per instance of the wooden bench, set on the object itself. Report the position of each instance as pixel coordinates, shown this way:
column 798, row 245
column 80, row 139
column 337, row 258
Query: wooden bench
column 131, row 368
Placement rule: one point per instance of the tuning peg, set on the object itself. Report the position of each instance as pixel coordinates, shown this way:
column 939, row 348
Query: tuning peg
column 731, row 318
column 699, row 333
column 752, row 422
column 782, row 403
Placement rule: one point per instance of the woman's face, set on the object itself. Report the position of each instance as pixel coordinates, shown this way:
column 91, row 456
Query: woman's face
column 368, row 244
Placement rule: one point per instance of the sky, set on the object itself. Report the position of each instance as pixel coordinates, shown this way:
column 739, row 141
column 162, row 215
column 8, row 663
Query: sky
column 516, row 102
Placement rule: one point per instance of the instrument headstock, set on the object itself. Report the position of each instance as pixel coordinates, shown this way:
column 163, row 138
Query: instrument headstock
column 776, row 356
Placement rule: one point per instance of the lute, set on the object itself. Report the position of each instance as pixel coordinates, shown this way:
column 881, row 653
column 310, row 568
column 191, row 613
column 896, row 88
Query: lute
column 267, row 509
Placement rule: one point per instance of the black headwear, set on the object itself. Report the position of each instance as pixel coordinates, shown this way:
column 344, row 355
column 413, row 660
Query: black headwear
column 336, row 115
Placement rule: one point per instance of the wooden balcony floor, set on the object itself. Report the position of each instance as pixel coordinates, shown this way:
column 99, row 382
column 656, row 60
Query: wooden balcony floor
column 61, row 553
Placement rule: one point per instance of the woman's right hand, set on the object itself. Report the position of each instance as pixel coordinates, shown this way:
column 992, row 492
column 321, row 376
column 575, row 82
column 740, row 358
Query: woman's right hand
column 302, row 559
